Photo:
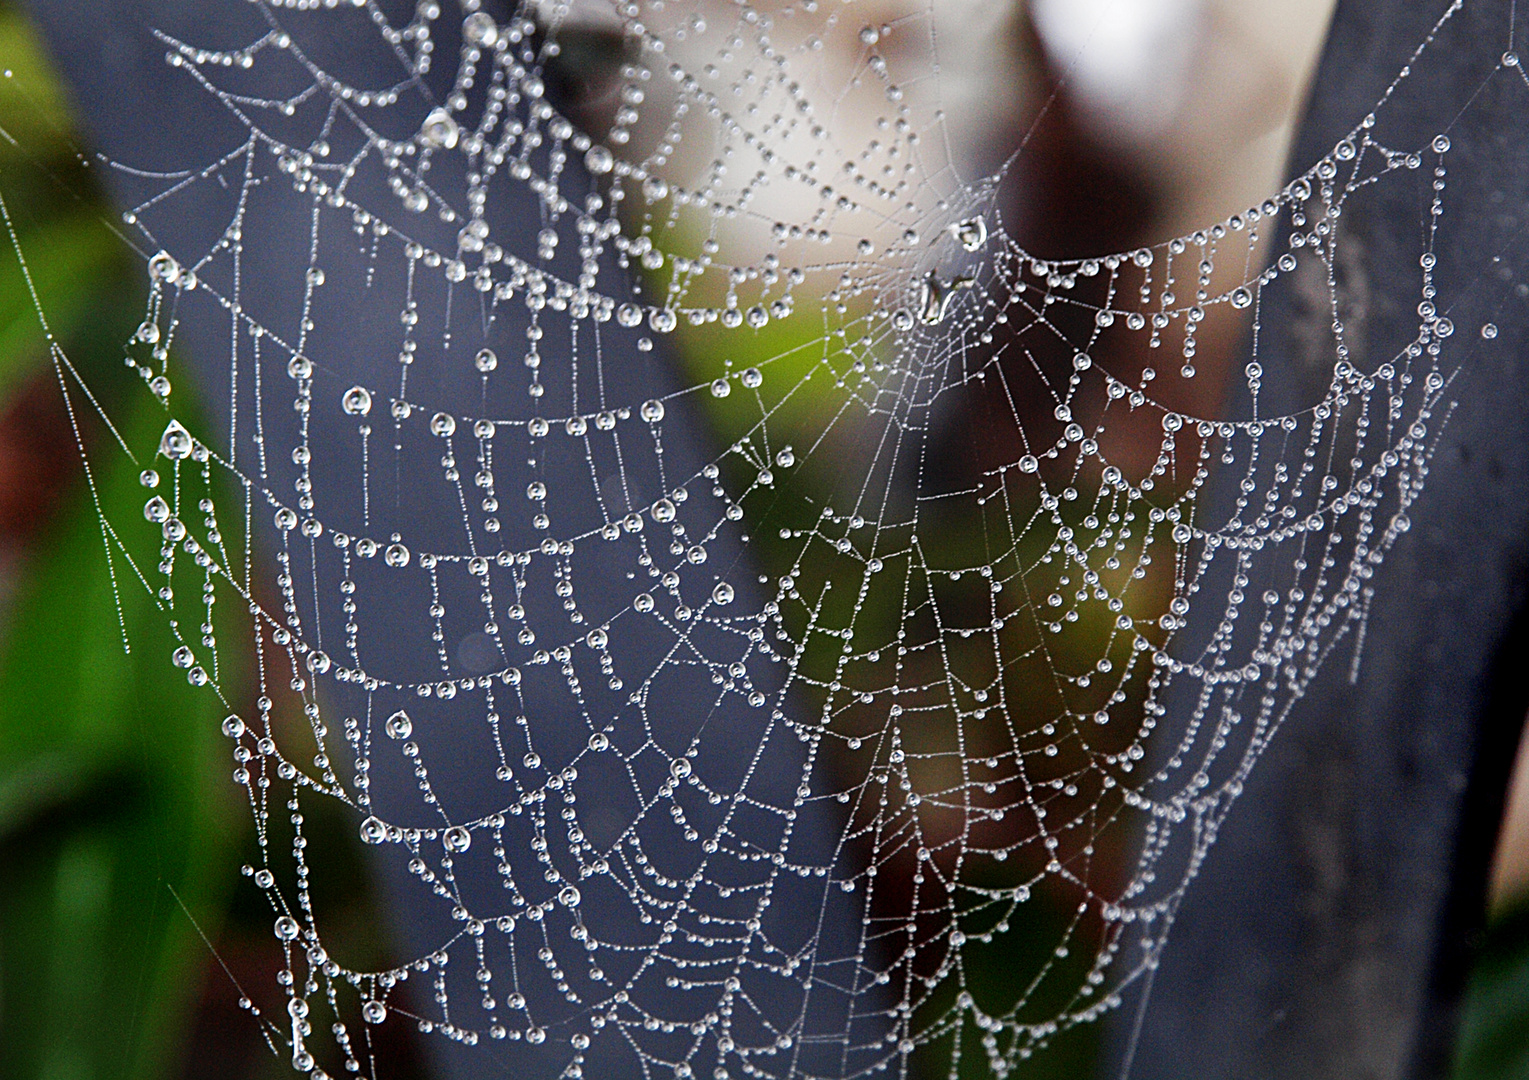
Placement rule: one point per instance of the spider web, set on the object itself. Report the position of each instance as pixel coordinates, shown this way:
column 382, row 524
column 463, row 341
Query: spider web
column 731, row 717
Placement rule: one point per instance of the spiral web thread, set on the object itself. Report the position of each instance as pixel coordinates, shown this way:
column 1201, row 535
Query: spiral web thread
column 950, row 708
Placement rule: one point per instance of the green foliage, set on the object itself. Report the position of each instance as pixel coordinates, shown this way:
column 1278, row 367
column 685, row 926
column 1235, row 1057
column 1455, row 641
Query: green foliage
column 113, row 811
column 1494, row 1033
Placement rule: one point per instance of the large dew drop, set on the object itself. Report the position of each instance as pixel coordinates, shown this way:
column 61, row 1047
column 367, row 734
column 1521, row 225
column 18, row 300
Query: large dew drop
column 399, row 726
column 373, row 831
column 480, row 29
column 971, row 234
column 163, row 268
column 176, row 442
column 599, row 160
column 439, row 130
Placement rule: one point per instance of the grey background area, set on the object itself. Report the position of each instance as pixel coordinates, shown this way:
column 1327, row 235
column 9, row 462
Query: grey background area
column 1328, row 933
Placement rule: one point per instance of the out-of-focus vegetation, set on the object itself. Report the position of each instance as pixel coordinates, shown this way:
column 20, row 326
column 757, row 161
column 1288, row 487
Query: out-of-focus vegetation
column 127, row 935
column 111, row 813
column 115, row 825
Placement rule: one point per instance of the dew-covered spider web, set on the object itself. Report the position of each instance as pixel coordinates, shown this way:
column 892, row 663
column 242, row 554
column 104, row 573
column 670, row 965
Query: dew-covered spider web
column 741, row 598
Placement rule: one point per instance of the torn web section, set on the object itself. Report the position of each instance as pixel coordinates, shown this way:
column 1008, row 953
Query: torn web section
column 508, row 587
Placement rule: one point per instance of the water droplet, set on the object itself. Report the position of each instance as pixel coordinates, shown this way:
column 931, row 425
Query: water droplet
column 233, row 727
column 629, row 315
column 439, row 130
column 480, row 29
column 971, row 234
column 652, row 411
column 357, row 401
column 443, row 424
column 176, row 442
column 869, row 35
column 723, row 593
column 164, row 268
column 751, row 378
column 1441, row 144
column 457, row 838
column 599, row 741
column 721, row 388
column 786, row 458
column 182, row 657
column 286, row 519
column 1489, row 331
column 486, row 360
column 374, row 1012
column 287, row 928
column 396, row 555
column 315, row 276
column 1241, row 297
column 599, row 160
column 663, row 511
column 373, row 831
column 148, row 332
column 643, row 602
column 569, row 896
column 156, row 510
column 399, row 726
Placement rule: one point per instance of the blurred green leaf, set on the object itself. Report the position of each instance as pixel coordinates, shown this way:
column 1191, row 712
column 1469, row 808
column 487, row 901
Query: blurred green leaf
column 34, row 115
column 70, row 260
column 1494, row 1032
column 111, row 805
